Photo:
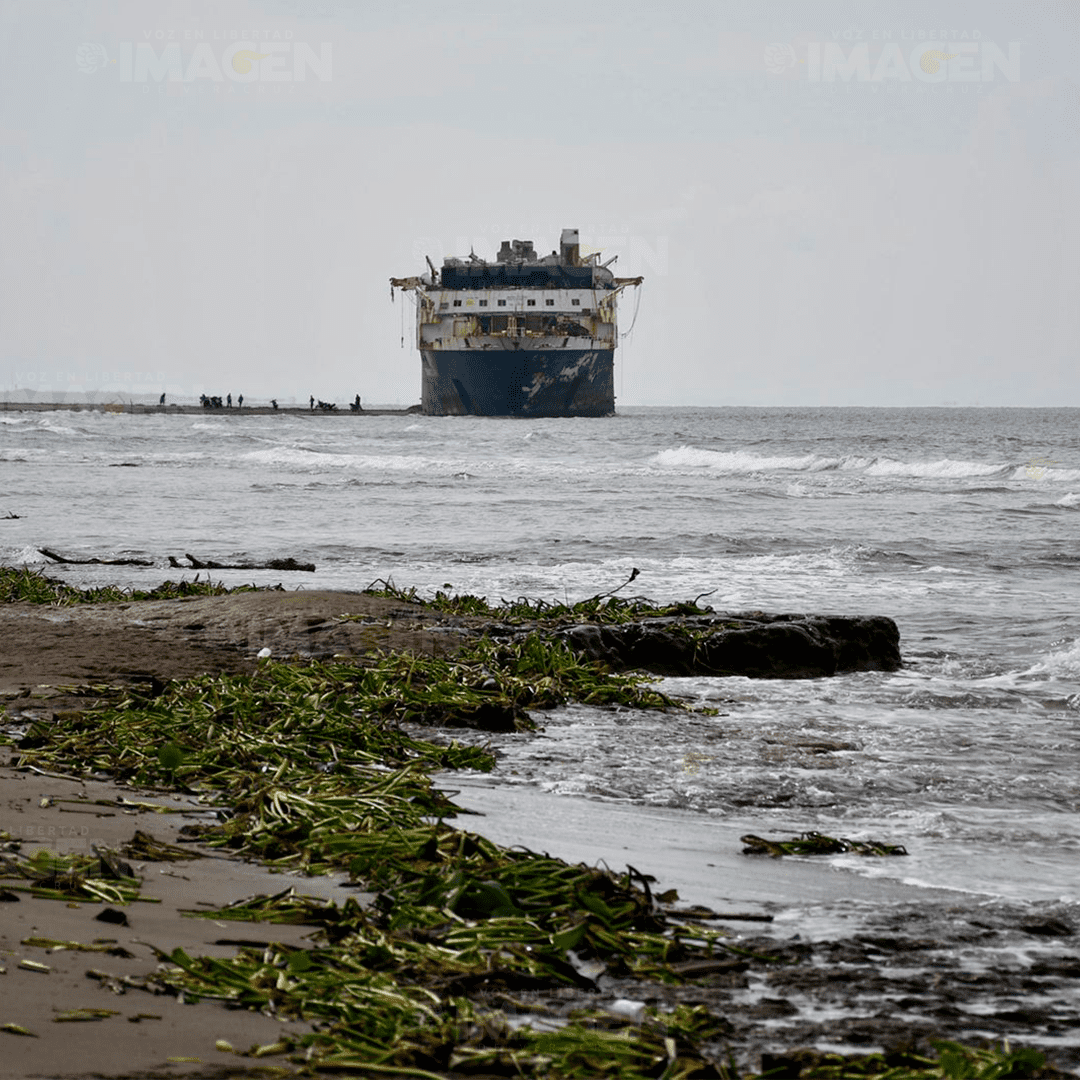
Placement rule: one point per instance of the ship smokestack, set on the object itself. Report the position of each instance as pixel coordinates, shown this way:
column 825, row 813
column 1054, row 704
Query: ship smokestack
column 570, row 248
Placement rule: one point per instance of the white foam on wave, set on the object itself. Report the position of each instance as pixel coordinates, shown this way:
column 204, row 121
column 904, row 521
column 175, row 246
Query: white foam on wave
column 1062, row 663
column 837, row 576
column 1045, row 474
column 53, row 427
column 798, row 490
column 738, row 461
column 837, row 559
column 301, row 457
column 22, row 454
column 307, row 458
column 25, row 556
column 946, row 468
column 1072, row 499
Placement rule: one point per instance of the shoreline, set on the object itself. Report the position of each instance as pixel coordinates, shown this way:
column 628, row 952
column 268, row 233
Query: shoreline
column 850, row 962
column 140, row 409
column 699, row 856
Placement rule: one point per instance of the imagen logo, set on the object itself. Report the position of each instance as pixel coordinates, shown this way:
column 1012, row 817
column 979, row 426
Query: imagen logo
column 780, row 56
column 91, row 57
column 884, row 56
column 239, row 61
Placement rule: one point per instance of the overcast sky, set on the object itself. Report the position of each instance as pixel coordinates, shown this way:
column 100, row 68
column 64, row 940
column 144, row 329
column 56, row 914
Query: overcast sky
column 832, row 203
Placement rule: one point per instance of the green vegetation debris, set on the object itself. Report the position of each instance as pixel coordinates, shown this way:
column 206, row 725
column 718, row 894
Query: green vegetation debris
column 144, row 847
column 82, row 1015
column 953, row 1062
column 32, row 587
column 605, row 608
column 814, row 843
column 75, row 876
column 54, row 945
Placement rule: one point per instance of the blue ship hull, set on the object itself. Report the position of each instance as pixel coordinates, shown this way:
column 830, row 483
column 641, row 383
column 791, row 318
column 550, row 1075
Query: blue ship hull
column 518, row 382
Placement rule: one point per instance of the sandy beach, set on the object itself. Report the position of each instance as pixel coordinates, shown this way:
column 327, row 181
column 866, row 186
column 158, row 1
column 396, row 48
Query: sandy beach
column 49, row 651
column 864, row 987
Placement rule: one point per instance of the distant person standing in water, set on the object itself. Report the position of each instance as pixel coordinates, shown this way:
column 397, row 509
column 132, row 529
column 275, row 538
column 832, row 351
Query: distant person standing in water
column 161, row 400
column 273, row 401
column 312, row 402
column 228, row 401
column 240, row 402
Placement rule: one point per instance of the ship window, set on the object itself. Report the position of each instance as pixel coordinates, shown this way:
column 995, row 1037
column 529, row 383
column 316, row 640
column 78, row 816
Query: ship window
column 457, row 303
column 550, row 303
column 502, row 303
column 586, row 311
column 443, row 306
column 531, row 303
column 483, row 303
column 576, row 303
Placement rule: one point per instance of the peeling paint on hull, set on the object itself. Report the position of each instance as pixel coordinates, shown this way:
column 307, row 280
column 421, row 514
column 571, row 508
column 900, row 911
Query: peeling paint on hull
column 522, row 382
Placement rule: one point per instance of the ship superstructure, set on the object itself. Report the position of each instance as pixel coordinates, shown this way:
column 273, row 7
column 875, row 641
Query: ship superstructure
column 522, row 336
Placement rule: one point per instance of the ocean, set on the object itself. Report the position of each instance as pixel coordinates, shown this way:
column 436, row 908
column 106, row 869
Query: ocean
column 960, row 524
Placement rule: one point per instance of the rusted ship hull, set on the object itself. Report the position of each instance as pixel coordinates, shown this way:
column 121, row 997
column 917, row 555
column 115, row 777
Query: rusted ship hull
column 519, row 382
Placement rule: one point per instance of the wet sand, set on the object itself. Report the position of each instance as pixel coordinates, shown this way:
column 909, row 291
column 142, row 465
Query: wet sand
column 148, row 1028
column 700, row 857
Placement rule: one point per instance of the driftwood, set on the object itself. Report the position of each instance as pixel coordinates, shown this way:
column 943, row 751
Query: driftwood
column 273, row 564
column 87, row 562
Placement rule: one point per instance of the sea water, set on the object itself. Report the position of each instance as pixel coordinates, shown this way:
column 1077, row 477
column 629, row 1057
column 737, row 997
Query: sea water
column 960, row 524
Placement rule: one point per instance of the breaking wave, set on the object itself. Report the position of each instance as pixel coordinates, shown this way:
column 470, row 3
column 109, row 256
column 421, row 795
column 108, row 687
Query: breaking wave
column 738, row 461
column 947, row 468
column 27, row 556
column 1045, row 474
column 1061, row 663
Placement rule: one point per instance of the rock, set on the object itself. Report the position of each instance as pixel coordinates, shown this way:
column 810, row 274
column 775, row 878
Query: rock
column 757, row 645
column 487, row 716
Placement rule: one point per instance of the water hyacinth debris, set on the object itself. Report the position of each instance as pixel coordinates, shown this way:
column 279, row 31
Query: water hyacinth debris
column 815, row 843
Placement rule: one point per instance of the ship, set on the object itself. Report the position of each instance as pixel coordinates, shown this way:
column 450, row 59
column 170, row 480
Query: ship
column 525, row 335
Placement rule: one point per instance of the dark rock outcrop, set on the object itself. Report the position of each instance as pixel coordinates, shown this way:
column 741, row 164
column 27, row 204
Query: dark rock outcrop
column 755, row 644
